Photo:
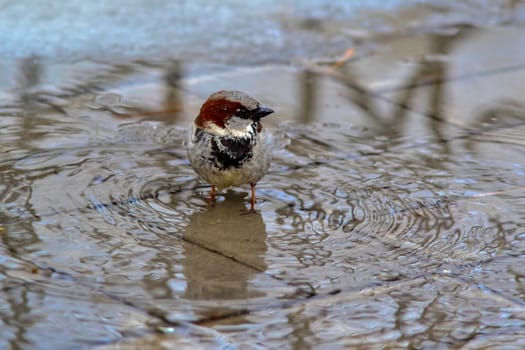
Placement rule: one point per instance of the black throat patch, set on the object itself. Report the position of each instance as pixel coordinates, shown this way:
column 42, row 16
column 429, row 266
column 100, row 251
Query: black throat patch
column 231, row 153
column 228, row 152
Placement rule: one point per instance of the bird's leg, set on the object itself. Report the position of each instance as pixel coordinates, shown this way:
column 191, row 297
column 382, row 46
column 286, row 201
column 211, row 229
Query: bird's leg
column 253, row 196
column 212, row 193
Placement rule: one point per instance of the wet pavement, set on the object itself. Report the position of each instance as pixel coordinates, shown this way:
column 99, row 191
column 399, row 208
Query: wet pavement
column 393, row 215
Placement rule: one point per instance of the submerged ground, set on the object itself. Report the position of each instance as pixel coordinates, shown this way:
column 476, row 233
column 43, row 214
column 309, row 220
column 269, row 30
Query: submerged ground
column 393, row 215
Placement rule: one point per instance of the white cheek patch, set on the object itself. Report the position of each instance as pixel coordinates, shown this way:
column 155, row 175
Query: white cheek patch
column 212, row 128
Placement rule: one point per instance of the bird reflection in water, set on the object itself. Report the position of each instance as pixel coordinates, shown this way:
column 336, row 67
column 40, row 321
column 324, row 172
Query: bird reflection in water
column 224, row 251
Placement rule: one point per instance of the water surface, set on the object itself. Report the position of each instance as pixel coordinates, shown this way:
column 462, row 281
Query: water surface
column 392, row 215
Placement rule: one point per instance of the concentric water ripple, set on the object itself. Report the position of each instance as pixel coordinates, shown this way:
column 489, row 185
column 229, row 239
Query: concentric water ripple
column 393, row 206
column 365, row 203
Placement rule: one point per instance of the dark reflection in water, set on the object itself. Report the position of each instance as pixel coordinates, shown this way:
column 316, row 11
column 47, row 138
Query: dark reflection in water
column 13, row 321
column 223, row 228
column 172, row 102
column 307, row 95
column 432, row 73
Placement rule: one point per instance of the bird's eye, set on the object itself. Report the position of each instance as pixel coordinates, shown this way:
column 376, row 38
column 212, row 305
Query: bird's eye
column 238, row 110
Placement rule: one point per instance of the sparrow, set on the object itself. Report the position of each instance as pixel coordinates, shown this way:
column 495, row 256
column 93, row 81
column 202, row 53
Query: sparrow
column 227, row 144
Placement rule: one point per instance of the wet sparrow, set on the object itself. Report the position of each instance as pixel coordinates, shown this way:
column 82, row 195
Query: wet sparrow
column 227, row 144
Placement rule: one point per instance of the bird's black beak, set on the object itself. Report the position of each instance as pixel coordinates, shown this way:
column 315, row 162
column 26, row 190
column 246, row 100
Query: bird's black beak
column 261, row 112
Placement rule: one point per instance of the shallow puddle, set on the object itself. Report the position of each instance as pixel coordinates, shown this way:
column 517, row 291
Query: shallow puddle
column 392, row 215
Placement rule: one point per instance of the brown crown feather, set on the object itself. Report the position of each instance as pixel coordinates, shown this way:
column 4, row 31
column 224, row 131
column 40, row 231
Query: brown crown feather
column 217, row 111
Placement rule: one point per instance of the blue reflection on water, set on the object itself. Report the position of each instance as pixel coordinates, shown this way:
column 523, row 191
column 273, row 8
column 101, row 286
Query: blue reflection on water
column 75, row 29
